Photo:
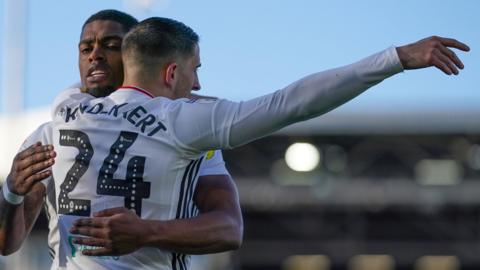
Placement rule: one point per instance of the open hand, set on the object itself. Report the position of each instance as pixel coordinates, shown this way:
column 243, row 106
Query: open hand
column 29, row 166
column 116, row 231
column 432, row 51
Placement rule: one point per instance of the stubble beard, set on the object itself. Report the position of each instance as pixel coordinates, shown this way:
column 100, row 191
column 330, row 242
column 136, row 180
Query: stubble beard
column 101, row 91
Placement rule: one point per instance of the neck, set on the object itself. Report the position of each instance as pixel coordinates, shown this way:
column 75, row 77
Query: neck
column 152, row 87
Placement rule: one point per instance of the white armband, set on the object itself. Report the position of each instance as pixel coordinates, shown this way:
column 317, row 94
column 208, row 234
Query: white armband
column 10, row 196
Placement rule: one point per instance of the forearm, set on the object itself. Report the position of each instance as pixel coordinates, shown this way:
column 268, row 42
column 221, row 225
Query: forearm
column 218, row 227
column 12, row 228
column 210, row 232
column 16, row 221
column 33, row 205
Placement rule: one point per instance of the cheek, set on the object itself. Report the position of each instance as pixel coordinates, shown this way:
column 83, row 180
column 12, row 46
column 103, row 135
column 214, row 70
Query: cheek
column 118, row 67
column 192, row 80
column 83, row 64
column 83, row 71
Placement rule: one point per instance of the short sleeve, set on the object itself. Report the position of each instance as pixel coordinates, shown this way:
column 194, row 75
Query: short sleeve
column 213, row 164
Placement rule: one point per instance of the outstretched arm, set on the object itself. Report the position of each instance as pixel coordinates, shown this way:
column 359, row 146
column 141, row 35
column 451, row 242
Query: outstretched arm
column 17, row 219
column 218, row 227
column 232, row 124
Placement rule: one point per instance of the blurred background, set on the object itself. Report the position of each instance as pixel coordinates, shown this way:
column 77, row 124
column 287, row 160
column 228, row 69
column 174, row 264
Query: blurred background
column 388, row 181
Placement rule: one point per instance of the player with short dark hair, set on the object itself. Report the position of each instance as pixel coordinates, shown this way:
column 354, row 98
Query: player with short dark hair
column 164, row 39
column 99, row 51
column 127, row 21
column 219, row 227
column 162, row 139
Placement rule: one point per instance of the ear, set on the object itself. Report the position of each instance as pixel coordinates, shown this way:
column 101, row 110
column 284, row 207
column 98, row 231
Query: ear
column 170, row 74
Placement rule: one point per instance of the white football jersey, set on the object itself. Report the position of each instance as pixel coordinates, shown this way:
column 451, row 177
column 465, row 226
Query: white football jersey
column 212, row 164
column 131, row 149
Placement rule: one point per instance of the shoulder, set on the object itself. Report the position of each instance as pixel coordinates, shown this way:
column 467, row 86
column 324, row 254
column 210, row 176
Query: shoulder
column 69, row 96
column 70, row 93
column 42, row 130
column 191, row 104
column 41, row 134
column 200, row 99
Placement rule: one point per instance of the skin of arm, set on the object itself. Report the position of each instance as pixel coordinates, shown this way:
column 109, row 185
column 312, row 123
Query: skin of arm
column 16, row 221
column 218, row 227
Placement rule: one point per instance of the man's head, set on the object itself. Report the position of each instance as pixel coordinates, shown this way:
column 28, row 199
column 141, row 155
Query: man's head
column 165, row 50
column 99, row 51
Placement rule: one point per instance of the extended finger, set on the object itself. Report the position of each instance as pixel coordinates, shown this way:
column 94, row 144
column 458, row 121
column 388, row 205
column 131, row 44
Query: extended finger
column 35, row 155
column 25, row 153
column 87, row 231
column 450, row 42
column 32, row 149
column 37, row 167
column 43, row 154
column 450, row 54
column 447, row 61
column 89, row 241
column 38, row 177
column 89, row 222
column 440, row 65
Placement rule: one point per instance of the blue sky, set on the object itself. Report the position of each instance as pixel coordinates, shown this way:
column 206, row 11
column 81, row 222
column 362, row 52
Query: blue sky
column 250, row 48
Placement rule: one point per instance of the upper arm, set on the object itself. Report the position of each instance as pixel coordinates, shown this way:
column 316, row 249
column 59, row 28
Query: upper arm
column 218, row 193
column 201, row 125
column 216, row 189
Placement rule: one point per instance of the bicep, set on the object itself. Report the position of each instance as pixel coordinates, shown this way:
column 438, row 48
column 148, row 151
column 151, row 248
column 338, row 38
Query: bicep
column 217, row 192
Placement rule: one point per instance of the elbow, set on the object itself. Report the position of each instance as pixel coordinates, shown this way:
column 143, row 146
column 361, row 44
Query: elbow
column 234, row 237
column 235, row 244
column 5, row 250
column 8, row 245
column 230, row 243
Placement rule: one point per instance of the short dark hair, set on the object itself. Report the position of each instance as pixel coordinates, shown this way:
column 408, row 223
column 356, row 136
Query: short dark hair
column 160, row 38
column 126, row 20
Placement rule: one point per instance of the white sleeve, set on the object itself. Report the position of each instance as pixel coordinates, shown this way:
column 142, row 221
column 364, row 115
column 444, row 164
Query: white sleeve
column 222, row 124
column 213, row 164
column 42, row 134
